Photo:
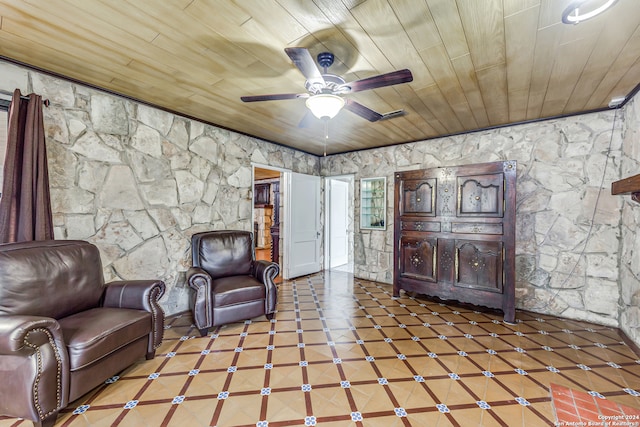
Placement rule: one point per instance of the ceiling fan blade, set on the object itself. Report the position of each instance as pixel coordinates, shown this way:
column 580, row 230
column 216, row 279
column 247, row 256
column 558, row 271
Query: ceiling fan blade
column 381, row 80
column 307, row 66
column 392, row 114
column 274, row 97
column 362, row 111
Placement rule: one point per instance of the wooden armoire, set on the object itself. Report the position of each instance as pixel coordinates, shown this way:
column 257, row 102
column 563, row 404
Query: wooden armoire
column 454, row 230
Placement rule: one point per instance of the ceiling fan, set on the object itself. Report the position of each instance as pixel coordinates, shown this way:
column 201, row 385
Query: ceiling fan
column 325, row 91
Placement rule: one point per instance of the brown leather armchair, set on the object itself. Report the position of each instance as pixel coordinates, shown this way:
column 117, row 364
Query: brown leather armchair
column 63, row 330
column 228, row 284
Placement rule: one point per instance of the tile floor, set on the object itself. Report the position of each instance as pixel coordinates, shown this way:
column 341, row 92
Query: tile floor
column 343, row 352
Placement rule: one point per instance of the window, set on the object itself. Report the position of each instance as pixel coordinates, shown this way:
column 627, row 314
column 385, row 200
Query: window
column 373, row 203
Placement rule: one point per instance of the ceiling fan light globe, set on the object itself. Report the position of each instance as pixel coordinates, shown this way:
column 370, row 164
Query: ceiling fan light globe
column 325, row 105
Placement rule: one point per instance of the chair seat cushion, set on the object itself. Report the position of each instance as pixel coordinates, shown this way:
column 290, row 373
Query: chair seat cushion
column 96, row 333
column 236, row 289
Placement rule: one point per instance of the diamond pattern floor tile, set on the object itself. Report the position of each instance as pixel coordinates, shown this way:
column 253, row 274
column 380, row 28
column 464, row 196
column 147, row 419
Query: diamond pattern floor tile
column 344, row 352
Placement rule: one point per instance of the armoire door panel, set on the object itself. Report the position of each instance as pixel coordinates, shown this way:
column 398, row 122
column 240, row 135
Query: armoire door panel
column 478, row 265
column 418, row 256
column 446, row 195
column 481, row 195
column 446, row 260
column 476, row 228
column 418, row 197
column 420, row 226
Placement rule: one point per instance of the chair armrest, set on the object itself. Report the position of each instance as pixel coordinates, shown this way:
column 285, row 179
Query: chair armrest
column 201, row 301
column 34, row 365
column 266, row 272
column 198, row 277
column 136, row 294
column 21, row 333
column 139, row 295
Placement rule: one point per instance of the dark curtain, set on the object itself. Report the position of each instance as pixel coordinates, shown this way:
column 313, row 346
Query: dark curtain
column 25, row 205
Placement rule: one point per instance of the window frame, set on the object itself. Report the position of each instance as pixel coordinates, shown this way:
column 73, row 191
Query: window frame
column 373, row 203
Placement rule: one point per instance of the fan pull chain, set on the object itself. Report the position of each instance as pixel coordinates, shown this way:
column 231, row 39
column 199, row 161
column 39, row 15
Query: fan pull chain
column 326, row 134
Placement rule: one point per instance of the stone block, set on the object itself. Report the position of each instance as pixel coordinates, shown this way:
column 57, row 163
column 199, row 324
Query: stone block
column 602, row 265
column 55, row 127
column 76, row 128
column 183, row 218
column 190, row 188
column 147, row 168
column 163, row 218
column 73, row 200
column 160, row 193
column 57, row 91
column 147, row 140
column 92, row 175
column 62, row 165
column 92, row 147
column 565, row 234
column 120, row 233
column 149, row 260
column 142, row 224
column 601, row 297
column 588, row 316
column 179, row 133
column 155, row 118
column 119, row 190
column 205, row 147
column 80, row 227
column 109, row 115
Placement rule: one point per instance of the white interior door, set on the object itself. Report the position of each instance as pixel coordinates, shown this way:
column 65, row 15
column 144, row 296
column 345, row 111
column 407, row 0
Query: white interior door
column 338, row 223
column 303, row 224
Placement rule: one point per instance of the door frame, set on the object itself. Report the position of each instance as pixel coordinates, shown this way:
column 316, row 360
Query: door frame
column 350, row 179
column 283, row 201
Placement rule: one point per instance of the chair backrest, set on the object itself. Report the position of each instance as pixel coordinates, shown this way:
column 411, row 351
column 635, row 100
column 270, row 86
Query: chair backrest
column 223, row 253
column 52, row 278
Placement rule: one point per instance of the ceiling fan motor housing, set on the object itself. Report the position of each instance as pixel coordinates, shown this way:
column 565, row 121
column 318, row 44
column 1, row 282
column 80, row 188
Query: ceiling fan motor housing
column 325, row 59
column 333, row 84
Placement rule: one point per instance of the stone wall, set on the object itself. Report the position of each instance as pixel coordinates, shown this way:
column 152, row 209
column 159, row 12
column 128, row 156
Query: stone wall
column 138, row 181
column 630, row 226
column 566, row 264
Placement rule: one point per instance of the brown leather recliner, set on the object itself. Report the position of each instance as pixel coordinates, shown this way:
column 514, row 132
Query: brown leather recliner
column 63, row 330
column 228, row 284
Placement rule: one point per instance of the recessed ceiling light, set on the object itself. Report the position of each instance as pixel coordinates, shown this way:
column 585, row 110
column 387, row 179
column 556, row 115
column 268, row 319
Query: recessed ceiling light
column 581, row 10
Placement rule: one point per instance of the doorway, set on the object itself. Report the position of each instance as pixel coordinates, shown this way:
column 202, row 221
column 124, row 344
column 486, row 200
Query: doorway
column 267, row 205
column 290, row 202
column 339, row 220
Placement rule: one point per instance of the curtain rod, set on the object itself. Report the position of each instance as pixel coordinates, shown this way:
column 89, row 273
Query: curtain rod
column 44, row 101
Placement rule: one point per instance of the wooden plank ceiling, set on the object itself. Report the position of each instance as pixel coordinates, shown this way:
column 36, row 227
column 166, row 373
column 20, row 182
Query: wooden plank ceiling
column 475, row 63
